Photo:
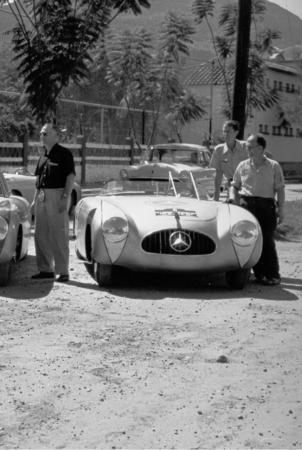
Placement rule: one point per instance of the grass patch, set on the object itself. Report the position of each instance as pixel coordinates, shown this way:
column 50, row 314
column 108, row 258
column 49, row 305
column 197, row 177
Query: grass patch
column 291, row 228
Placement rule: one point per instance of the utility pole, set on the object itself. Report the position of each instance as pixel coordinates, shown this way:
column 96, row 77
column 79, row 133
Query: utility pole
column 242, row 59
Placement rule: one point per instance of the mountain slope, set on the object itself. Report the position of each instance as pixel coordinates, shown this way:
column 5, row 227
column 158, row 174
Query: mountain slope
column 276, row 17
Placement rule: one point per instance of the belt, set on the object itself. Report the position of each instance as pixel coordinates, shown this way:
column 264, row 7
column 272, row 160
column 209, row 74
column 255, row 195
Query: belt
column 258, row 200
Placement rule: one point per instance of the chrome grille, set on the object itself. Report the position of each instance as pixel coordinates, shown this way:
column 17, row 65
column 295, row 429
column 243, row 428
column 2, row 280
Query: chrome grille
column 159, row 242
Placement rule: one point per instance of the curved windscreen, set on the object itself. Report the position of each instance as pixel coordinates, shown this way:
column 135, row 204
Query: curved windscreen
column 186, row 186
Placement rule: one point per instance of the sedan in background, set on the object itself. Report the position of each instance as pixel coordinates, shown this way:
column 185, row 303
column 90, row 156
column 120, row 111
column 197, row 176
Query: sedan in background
column 15, row 222
column 179, row 153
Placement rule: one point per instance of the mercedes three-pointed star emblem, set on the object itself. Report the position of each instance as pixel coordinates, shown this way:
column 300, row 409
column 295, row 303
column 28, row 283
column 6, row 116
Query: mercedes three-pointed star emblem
column 180, row 241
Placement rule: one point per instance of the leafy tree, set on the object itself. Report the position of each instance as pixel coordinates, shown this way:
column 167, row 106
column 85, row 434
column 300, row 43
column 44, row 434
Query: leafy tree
column 260, row 96
column 184, row 109
column 52, row 42
column 15, row 118
column 144, row 77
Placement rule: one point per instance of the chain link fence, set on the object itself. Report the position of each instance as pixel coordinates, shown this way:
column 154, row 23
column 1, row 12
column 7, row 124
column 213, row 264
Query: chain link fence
column 104, row 124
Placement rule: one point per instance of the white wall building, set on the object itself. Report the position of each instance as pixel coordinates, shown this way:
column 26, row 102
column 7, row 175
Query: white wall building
column 281, row 125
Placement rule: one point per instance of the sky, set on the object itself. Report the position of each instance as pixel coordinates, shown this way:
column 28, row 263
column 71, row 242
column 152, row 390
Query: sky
column 294, row 6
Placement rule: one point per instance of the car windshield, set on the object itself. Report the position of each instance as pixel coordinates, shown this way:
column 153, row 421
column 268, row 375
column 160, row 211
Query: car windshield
column 179, row 187
column 180, row 156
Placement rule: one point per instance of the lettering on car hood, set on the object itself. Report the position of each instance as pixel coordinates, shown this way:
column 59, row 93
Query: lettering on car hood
column 172, row 211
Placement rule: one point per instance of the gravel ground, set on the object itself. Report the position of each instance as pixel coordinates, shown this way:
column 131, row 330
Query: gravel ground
column 151, row 363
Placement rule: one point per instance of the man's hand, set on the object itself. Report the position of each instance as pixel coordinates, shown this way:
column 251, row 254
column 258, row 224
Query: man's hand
column 63, row 204
column 281, row 215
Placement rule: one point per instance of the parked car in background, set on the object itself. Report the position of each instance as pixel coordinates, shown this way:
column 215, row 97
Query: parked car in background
column 23, row 184
column 15, row 222
column 179, row 153
column 179, row 160
column 154, row 223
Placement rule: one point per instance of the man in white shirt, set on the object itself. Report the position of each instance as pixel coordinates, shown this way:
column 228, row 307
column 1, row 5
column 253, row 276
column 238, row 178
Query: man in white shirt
column 227, row 156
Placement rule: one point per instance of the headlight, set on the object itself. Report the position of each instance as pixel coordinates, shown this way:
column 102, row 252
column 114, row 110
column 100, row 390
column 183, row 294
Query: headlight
column 244, row 233
column 115, row 229
column 3, row 228
column 115, row 224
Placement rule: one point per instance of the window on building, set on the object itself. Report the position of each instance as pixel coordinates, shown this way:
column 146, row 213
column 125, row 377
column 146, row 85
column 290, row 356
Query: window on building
column 280, row 86
column 287, row 87
column 275, row 84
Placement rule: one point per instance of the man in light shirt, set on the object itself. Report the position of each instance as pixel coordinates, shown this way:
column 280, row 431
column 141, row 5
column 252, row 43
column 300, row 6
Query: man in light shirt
column 258, row 185
column 227, row 156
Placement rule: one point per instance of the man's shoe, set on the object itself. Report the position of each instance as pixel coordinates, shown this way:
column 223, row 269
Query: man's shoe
column 271, row 281
column 63, row 279
column 43, row 275
column 259, row 278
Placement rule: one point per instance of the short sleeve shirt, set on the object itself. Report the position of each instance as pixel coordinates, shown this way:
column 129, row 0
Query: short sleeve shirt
column 261, row 181
column 225, row 160
column 53, row 169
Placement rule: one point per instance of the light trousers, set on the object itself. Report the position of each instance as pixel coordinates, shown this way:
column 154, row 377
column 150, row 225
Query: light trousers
column 51, row 234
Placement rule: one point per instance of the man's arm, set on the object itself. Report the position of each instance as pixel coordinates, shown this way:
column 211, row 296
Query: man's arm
column 281, row 201
column 233, row 195
column 69, row 185
column 218, row 180
column 215, row 164
column 63, row 204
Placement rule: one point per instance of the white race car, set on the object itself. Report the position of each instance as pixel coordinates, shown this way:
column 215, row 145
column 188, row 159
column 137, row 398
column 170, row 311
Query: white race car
column 164, row 224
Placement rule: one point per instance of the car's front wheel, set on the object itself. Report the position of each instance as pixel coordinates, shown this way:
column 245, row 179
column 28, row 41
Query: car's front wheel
column 5, row 269
column 90, row 268
column 104, row 274
column 237, row 279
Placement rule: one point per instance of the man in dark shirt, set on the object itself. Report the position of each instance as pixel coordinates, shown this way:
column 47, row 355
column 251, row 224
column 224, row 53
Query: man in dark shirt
column 55, row 173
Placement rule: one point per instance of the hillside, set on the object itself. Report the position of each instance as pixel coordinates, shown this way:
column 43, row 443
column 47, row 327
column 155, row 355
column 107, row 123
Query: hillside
column 289, row 25
column 276, row 17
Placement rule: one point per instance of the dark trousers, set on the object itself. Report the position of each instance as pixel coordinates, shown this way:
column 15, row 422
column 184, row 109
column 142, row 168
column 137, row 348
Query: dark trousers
column 264, row 209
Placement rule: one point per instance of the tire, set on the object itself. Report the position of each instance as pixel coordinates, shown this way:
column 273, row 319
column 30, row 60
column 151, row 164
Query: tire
column 237, row 279
column 90, row 269
column 5, row 270
column 19, row 244
column 104, row 274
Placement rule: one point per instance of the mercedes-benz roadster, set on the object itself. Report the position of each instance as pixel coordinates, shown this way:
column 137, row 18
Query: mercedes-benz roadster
column 14, row 229
column 165, row 225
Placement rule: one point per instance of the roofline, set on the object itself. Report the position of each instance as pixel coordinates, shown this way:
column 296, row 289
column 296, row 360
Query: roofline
column 281, row 67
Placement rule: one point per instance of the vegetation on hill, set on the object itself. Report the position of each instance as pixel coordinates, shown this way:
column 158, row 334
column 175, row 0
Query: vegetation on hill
column 52, row 61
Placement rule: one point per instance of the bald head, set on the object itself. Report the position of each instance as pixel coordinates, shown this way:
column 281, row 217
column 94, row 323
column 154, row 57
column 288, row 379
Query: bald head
column 48, row 136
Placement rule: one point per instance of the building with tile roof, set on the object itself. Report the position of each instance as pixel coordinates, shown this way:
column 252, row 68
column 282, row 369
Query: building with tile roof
column 281, row 126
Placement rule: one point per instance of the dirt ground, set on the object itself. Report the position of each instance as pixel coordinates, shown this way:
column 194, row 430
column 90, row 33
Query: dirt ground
column 151, row 364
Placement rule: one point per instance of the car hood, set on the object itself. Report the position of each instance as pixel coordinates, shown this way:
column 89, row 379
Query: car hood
column 19, row 178
column 150, row 212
